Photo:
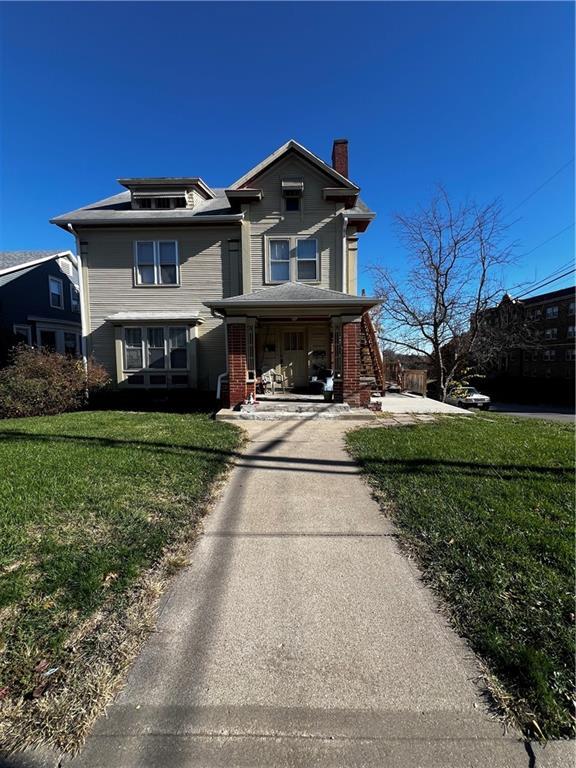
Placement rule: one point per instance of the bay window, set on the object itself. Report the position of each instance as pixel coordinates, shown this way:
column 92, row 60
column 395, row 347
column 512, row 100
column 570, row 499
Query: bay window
column 156, row 262
column 157, row 348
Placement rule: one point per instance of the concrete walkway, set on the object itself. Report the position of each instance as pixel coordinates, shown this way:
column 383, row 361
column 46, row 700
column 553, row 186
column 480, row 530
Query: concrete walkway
column 406, row 403
column 300, row 636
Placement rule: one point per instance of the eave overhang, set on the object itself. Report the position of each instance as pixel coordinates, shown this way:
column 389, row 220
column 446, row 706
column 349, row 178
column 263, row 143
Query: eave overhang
column 172, row 182
column 146, row 221
column 161, row 316
column 246, row 195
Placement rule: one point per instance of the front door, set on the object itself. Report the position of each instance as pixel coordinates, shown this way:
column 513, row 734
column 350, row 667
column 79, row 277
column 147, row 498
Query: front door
column 294, row 358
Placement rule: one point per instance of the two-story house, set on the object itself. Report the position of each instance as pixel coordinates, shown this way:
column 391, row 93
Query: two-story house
column 186, row 285
column 40, row 300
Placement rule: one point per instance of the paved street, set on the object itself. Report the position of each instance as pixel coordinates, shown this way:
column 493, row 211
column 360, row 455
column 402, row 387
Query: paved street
column 300, row 636
column 548, row 412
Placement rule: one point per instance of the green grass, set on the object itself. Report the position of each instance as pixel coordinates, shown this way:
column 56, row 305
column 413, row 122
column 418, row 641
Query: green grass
column 88, row 502
column 487, row 503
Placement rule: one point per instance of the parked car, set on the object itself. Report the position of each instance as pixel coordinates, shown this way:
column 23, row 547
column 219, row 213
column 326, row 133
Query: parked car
column 468, row 397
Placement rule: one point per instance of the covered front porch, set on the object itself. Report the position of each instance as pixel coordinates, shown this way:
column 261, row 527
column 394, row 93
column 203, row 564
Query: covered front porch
column 289, row 339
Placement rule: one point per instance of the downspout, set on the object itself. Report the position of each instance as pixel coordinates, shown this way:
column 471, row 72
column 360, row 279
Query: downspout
column 344, row 254
column 221, row 376
column 83, row 319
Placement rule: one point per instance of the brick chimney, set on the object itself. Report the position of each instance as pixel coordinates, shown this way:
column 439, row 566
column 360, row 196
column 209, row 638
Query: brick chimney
column 340, row 156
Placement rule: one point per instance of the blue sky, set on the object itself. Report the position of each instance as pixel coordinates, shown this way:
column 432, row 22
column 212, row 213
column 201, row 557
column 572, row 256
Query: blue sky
column 476, row 96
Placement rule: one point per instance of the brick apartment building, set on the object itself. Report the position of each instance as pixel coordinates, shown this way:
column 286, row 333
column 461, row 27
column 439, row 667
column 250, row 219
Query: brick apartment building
column 545, row 366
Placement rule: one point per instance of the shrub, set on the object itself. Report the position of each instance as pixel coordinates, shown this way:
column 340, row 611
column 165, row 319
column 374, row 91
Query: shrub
column 41, row 383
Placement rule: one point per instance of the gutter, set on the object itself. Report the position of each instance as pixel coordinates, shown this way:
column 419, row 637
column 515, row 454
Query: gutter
column 150, row 222
column 83, row 318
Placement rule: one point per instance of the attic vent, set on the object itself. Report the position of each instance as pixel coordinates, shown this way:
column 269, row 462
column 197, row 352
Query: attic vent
column 292, row 187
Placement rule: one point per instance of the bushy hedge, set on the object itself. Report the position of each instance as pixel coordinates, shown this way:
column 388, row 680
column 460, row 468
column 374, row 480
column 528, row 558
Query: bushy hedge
column 38, row 382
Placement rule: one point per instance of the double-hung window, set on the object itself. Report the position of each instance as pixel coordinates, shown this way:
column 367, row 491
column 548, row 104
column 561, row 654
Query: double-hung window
column 551, row 313
column 307, row 259
column 155, row 347
column 279, row 261
column 293, row 259
column 74, row 298
column 56, row 289
column 156, row 262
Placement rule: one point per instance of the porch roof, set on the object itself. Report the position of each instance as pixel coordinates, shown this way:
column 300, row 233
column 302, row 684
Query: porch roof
column 296, row 295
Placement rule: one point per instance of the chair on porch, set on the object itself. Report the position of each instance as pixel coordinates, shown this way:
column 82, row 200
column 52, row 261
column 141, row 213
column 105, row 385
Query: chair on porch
column 280, row 378
column 267, row 382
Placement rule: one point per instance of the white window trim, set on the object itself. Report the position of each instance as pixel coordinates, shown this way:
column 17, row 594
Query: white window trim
column 292, row 241
column 74, row 298
column 145, row 355
column 268, row 261
column 56, row 280
column 156, row 250
column 316, row 260
column 21, row 329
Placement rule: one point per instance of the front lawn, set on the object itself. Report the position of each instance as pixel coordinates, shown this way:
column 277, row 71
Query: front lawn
column 90, row 504
column 487, row 505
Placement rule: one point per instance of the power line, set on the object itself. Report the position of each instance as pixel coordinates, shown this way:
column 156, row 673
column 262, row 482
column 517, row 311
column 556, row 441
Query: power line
column 527, row 284
column 531, row 195
column 547, row 241
column 555, row 280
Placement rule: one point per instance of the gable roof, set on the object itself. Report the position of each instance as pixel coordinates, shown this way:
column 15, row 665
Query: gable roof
column 14, row 261
column 16, row 264
column 290, row 294
column 293, row 146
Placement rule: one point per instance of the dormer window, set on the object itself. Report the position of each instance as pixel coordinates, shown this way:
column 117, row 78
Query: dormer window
column 159, row 203
column 292, row 191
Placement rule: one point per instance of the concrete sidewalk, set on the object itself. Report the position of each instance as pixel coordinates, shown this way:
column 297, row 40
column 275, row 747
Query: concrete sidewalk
column 300, row 636
column 404, row 403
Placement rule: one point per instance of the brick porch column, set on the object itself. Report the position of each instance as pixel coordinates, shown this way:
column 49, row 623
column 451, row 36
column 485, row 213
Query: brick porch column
column 237, row 370
column 351, row 393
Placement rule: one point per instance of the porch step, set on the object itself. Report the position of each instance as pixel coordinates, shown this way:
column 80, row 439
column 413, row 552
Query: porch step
column 295, row 412
column 295, row 406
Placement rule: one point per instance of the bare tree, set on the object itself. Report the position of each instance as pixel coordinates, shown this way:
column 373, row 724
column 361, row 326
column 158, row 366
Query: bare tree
column 455, row 255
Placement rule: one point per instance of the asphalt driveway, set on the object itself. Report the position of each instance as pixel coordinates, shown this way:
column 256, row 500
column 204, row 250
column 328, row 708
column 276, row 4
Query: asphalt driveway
column 299, row 635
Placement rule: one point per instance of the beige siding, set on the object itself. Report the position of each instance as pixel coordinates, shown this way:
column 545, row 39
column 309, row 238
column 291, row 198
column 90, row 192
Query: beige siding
column 318, row 218
column 209, row 267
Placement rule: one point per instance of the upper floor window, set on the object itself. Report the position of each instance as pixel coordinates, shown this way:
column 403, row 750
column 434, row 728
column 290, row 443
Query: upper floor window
column 156, row 262
column 549, row 354
column 279, row 254
column 571, row 331
column 551, row 333
column 292, row 191
column 74, row 298
column 293, row 259
column 571, row 306
column 56, row 288
column 307, row 260
column 159, row 203
column 551, row 313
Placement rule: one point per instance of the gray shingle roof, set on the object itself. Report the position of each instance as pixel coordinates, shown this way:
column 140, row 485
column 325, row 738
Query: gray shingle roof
column 9, row 259
column 293, row 293
column 118, row 208
column 14, row 264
